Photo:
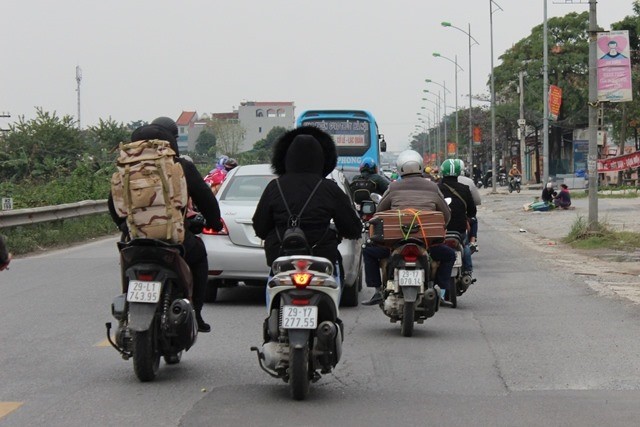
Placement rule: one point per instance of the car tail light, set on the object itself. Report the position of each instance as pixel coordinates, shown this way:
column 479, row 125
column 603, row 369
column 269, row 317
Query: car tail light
column 410, row 253
column 212, row 232
column 145, row 276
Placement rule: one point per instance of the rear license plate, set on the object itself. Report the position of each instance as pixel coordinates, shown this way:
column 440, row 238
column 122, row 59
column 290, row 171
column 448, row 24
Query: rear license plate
column 410, row 277
column 142, row 291
column 296, row 317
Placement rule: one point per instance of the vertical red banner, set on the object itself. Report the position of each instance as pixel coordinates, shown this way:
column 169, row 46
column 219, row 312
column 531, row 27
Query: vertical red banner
column 477, row 135
column 451, row 148
column 555, row 101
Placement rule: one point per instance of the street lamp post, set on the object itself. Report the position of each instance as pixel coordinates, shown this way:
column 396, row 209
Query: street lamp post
column 443, row 100
column 468, row 33
column 436, row 123
column 493, row 103
column 455, row 62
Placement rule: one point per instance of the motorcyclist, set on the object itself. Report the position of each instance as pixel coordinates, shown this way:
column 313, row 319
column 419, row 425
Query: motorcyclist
column 462, row 206
column 165, row 128
column 477, row 174
column 411, row 192
column 368, row 180
column 473, row 221
column 302, row 157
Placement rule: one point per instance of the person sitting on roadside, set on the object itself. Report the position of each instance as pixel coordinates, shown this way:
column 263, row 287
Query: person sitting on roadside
column 548, row 193
column 410, row 192
column 563, row 199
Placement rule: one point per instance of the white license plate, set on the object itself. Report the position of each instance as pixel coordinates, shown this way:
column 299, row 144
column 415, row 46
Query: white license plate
column 143, row 291
column 299, row 317
column 410, row 277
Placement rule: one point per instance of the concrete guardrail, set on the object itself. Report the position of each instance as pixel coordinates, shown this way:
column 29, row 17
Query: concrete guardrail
column 16, row 217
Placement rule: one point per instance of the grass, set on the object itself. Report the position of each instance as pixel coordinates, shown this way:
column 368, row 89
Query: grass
column 26, row 239
column 600, row 237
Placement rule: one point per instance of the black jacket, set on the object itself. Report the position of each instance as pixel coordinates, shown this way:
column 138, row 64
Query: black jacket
column 460, row 210
column 301, row 158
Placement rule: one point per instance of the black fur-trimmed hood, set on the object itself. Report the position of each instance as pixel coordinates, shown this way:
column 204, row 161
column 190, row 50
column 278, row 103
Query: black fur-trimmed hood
column 283, row 161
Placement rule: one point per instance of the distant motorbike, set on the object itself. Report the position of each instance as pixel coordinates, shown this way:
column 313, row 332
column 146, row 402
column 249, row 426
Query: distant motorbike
column 502, row 179
column 303, row 333
column 514, row 184
column 154, row 312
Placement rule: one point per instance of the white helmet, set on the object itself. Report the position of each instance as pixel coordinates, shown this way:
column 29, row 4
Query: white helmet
column 409, row 162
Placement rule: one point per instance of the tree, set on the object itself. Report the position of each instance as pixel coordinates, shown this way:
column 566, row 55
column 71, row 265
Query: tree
column 105, row 137
column 229, row 135
column 44, row 147
column 206, row 143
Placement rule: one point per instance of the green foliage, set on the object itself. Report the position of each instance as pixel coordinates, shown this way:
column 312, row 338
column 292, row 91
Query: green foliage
column 261, row 152
column 601, row 236
column 25, row 239
column 103, row 139
column 206, row 143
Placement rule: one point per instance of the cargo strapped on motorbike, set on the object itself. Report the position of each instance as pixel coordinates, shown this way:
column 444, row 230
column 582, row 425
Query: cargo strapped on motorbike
column 389, row 227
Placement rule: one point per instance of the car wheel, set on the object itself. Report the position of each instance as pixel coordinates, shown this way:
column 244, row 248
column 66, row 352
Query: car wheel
column 211, row 291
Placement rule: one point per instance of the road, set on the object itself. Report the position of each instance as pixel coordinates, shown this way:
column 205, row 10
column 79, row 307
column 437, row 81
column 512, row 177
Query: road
column 529, row 344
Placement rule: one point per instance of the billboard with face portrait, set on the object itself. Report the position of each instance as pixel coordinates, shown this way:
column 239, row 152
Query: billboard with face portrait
column 614, row 66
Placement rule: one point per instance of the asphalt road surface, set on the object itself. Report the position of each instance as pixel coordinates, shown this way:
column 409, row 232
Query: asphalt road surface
column 529, row 344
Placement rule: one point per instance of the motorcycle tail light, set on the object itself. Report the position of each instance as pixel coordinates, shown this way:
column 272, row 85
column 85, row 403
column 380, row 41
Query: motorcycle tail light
column 410, row 253
column 211, row 232
column 145, row 276
column 300, row 301
column 302, row 264
column 301, row 280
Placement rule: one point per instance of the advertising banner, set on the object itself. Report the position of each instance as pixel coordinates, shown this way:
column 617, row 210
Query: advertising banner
column 614, row 66
column 555, row 101
column 477, row 135
column 613, row 164
column 451, row 148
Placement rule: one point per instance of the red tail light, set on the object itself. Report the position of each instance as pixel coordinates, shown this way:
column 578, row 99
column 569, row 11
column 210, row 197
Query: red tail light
column 212, row 232
column 300, row 301
column 301, row 279
column 145, row 276
column 410, row 253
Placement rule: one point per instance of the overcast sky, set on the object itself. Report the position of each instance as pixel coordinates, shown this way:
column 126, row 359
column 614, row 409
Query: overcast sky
column 145, row 58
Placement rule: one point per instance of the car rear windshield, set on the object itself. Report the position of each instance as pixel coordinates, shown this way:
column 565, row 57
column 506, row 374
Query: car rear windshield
column 247, row 187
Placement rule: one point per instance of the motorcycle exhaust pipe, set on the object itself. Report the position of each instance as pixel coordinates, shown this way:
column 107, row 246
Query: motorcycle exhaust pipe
column 430, row 302
column 326, row 334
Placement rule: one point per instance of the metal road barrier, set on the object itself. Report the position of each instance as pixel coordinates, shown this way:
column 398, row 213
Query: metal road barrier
column 28, row 216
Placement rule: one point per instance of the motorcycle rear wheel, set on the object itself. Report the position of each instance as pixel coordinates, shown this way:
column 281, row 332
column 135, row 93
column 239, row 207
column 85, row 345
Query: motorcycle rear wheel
column 146, row 359
column 408, row 317
column 299, row 372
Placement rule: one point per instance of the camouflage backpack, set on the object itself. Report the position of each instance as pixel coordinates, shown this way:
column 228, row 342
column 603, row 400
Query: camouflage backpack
column 150, row 191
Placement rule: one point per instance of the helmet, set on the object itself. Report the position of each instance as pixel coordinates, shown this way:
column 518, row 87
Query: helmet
column 168, row 124
column 409, row 162
column 427, row 169
column 452, row 167
column 514, row 167
column 368, row 165
column 230, row 164
column 221, row 161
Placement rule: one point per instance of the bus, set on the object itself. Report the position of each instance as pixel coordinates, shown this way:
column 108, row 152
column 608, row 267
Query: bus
column 355, row 133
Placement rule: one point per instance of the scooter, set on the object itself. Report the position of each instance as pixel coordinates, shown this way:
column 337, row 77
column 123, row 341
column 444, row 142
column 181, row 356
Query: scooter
column 154, row 311
column 514, row 184
column 459, row 282
column 408, row 288
column 303, row 333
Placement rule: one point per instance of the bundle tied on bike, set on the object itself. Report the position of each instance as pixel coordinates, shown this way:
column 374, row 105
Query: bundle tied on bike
column 389, row 227
column 149, row 190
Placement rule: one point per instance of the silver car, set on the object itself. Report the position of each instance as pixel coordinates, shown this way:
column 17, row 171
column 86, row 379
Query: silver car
column 236, row 255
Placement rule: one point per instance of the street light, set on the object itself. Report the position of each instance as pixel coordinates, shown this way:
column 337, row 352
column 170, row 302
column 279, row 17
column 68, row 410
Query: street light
column 493, row 102
column 468, row 33
column 455, row 62
column 444, row 109
column 441, row 117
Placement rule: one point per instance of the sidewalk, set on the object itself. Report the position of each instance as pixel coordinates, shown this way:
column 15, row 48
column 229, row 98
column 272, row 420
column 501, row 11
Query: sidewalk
column 610, row 272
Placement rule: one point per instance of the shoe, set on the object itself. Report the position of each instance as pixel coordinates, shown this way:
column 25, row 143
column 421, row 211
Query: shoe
column 375, row 299
column 474, row 247
column 202, row 325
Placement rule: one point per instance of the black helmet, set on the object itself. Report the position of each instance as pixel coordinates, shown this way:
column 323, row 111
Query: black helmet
column 230, row 164
column 167, row 123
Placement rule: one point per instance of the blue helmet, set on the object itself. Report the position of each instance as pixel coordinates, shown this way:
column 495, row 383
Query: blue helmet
column 368, row 165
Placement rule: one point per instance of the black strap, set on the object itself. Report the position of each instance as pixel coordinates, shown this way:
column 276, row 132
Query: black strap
column 458, row 195
column 293, row 220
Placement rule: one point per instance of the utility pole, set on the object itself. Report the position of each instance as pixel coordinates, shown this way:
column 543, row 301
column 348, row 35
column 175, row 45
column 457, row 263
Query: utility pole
column 4, row 115
column 78, row 80
column 592, row 157
column 522, row 124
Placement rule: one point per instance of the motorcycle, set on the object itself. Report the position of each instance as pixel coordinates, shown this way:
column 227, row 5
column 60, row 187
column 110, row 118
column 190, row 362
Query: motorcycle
column 460, row 282
column 154, row 311
column 303, row 333
column 502, row 179
column 514, row 184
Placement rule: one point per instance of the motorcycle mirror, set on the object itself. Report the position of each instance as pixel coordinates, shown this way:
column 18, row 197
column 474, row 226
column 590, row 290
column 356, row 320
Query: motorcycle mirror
column 376, row 197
